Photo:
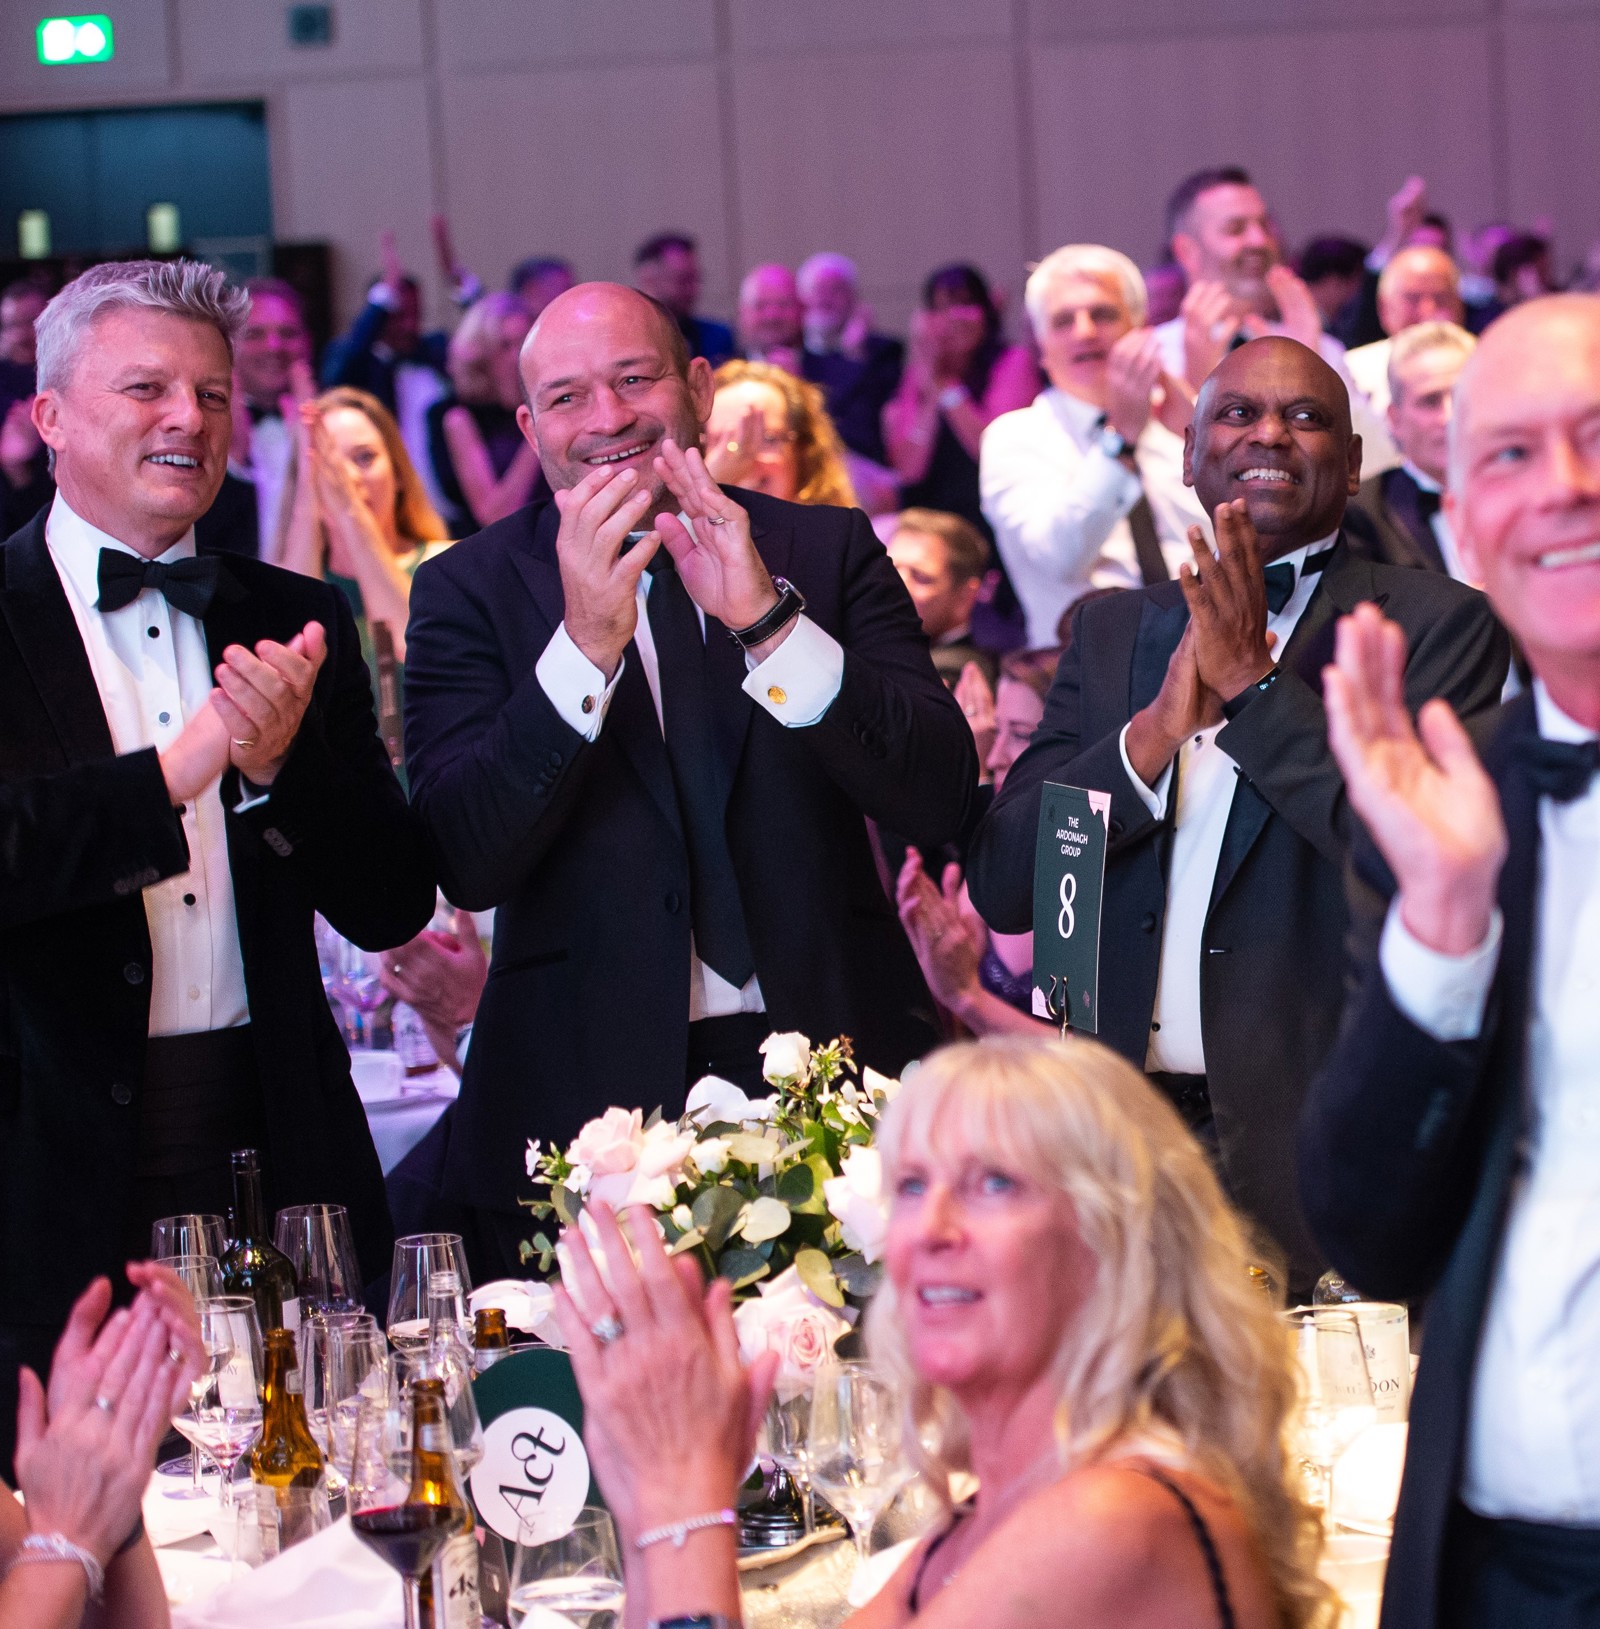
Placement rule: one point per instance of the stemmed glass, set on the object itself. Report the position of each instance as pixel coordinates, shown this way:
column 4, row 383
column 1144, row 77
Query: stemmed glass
column 417, row 1257
column 460, row 1404
column 407, row 1536
column 578, row 1576
column 224, row 1412
column 192, row 1234
column 784, row 1440
column 1337, row 1402
column 855, row 1445
column 357, row 1376
column 201, row 1276
column 322, row 1250
column 323, row 1341
column 351, row 981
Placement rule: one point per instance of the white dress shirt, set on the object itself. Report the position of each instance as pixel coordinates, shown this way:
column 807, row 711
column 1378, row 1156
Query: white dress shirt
column 1059, row 502
column 1533, row 1437
column 153, row 672
column 1206, row 779
column 1378, row 451
column 1442, row 535
column 796, row 684
column 270, row 447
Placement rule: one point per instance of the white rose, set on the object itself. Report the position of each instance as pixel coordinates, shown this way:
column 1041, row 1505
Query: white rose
column 682, row 1218
column 656, row 1171
column 786, row 1056
column 788, row 1319
column 713, row 1098
column 884, row 1086
column 710, row 1156
column 855, row 1197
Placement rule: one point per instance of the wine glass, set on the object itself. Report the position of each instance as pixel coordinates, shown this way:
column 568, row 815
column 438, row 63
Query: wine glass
column 855, row 1445
column 460, row 1404
column 322, row 1250
column 783, row 1440
column 578, row 1576
column 407, row 1536
column 201, row 1275
column 1337, row 1402
column 357, row 1374
column 192, row 1234
column 351, row 981
column 224, row 1412
column 417, row 1257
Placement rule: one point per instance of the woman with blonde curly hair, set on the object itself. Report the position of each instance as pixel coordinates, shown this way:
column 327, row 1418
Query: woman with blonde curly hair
column 1067, row 1307
column 769, row 432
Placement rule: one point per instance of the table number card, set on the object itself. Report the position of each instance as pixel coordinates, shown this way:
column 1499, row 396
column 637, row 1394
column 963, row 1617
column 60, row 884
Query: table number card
column 1069, row 875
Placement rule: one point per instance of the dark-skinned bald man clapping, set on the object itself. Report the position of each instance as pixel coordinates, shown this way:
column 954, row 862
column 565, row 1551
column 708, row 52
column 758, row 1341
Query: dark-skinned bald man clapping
column 1197, row 705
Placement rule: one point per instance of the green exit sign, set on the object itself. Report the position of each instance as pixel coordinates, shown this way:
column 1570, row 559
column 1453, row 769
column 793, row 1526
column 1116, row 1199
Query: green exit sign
column 64, row 40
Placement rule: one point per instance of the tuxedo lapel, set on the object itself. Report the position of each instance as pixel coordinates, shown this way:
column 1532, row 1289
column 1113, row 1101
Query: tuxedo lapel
column 1346, row 582
column 46, row 634
column 537, row 566
column 1162, row 620
column 1400, row 493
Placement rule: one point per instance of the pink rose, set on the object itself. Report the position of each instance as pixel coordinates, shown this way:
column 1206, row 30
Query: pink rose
column 788, row 1319
column 609, row 1144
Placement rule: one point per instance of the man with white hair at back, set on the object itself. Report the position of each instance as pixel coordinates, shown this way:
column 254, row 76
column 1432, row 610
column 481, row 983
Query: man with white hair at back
column 857, row 369
column 1084, row 486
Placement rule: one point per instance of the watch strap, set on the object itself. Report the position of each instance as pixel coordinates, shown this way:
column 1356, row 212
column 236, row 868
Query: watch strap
column 791, row 602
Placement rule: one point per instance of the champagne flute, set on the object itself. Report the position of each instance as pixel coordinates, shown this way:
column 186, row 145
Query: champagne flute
column 1337, row 1402
column 322, row 1250
column 417, row 1257
column 577, row 1576
column 224, row 1414
column 192, row 1234
column 856, row 1445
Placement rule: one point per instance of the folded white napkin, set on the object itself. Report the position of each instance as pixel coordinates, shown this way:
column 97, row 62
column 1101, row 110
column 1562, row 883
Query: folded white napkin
column 332, row 1581
column 1366, row 1478
column 527, row 1305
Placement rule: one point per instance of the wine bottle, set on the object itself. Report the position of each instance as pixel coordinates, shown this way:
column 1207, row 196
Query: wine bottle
column 287, row 1456
column 449, row 1592
column 253, row 1266
column 491, row 1340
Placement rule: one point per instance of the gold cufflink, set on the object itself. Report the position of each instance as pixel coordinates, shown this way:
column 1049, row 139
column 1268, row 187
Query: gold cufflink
column 777, row 695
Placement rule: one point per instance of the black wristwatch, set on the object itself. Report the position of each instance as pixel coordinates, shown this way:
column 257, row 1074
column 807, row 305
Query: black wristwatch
column 791, row 602
column 1113, row 443
column 698, row 1620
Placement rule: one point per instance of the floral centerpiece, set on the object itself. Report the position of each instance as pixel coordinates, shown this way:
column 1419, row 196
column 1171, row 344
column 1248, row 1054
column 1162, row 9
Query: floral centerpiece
column 781, row 1195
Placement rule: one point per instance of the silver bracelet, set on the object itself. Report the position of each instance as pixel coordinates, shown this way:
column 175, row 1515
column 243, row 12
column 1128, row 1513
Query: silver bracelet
column 679, row 1531
column 57, row 1547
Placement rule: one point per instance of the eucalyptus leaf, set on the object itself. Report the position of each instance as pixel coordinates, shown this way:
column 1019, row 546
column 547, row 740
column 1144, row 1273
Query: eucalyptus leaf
column 691, row 1240
column 816, row 1273
column 750, row 1149
column 742, row 1267
column 765, row 1219
column 568, row 1203
column 859, row 1276
column 715, row 1211
column 796, row 1185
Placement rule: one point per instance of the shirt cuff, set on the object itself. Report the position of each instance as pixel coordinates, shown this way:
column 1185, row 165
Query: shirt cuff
column 576, row 687
column 1442, row 995
column 1155, row 801
column 253, row 796
column 798, row 681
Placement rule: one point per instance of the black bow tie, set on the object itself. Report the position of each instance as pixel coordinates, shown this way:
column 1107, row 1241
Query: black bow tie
column 1428, row 503
column 186, row 585
column 1280, row 578
column 1559, row 769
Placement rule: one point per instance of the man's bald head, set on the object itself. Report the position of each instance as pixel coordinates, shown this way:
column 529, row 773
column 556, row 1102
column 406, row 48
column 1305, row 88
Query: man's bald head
column 1272, row 426
column 1524, row 498
column 1420, row 284
column 770, row 313
column 606, row 375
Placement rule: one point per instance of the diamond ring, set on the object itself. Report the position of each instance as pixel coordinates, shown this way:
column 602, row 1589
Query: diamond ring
column 105, row 1405
column 607, row 1329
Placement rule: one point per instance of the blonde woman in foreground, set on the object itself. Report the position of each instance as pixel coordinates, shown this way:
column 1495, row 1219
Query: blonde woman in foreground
column 1067, row 1308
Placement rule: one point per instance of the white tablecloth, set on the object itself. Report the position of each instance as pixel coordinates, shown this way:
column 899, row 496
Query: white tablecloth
column 399, row 1123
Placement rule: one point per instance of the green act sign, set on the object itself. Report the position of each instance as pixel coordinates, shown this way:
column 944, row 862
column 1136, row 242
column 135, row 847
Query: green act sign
column 64, row 40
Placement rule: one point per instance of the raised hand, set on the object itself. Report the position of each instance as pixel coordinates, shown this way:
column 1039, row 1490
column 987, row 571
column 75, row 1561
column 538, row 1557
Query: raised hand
column 1425, row 798
column 19, row 442
column 1133, row 370
column 1298, row 316
column 1405, row 209
column 948, row 941
column 1211, row 322
column 977, row 707
column 717, row 561
column 394, row 271
column 732, row 454
column 1227, row 600
column 1182, row 707
column 1174, row 403
column 262, row 696
column 599, row 582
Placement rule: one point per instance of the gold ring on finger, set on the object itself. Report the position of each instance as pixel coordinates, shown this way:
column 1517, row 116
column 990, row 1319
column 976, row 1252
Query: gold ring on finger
column 238, row 743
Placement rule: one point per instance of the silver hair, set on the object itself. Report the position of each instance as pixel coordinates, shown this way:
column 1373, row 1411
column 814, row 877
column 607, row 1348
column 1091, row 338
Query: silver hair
column 1084, row 260
column 827, row 261
column 181, row 288
column 1402, row 259
column 1419, row 338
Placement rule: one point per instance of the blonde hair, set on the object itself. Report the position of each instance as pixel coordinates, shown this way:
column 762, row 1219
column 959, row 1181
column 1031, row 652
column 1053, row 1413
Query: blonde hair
column 821, row 475
column 472, row 345
column 415, row 519
column 1172, row 1337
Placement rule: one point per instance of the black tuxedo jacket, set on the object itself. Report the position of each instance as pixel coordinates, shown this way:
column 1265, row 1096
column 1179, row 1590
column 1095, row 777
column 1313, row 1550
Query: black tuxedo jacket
column 1408, row 1155
column 82, row 832
column 1400, row 531
column 857, row 389
column 1270, row 986
column 579, row 845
